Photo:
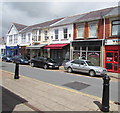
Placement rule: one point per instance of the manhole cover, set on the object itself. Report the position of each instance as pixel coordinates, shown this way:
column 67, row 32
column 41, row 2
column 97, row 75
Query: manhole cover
column 76, row 85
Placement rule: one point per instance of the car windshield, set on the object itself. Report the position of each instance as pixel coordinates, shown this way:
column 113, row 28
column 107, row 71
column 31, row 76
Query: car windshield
column 23, row 57
column 89, row 63
column 50, row 60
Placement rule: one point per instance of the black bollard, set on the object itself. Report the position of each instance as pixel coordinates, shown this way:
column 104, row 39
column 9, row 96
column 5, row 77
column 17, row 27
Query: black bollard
column 105, row 97
column 16, row 76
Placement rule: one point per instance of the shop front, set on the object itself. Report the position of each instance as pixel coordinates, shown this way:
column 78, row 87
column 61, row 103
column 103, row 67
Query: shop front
column 58, row 52
column 12, row 50
column 112, row 55
column 89, row 50
column 36, row 50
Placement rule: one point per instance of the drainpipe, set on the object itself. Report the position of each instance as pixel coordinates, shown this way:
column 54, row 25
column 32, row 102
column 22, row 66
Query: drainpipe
column 103, row 42
column 71, row 51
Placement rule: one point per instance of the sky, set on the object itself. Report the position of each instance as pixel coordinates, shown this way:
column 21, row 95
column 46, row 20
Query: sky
column 29, row 13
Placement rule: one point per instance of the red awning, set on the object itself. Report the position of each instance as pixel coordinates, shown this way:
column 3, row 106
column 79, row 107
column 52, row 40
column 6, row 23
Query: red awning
column 55, row 46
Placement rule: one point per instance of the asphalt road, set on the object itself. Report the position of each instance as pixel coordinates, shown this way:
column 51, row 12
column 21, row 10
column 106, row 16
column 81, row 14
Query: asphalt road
column 89, row 85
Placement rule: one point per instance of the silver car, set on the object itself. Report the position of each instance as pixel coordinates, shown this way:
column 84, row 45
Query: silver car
column 85, row 66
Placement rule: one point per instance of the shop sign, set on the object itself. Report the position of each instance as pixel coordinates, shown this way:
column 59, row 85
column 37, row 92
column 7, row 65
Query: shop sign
column 112, row 42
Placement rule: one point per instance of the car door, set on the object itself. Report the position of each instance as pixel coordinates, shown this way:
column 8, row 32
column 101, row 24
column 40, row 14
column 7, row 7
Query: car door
column 39, row 61
column 83, row 66
column 75, row 65
column 35, row 61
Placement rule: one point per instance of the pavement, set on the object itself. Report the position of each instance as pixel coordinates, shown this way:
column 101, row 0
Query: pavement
column 28, row 94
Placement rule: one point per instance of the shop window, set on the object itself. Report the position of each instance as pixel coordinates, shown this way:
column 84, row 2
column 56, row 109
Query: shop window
column 109, row 54
column 94, row 48
column 115, row 67
column 116, row 27
column 116, row 57
column 108, row 65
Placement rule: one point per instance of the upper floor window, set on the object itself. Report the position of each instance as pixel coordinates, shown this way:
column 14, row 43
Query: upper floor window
column 39, row 37
column 80, row 31
column 116, row 27
column 23, row 38
column 29, row 37
column 93, row 30
column 15, row 38
column 10, row 39
column 56, row 33
column 65, row 32
column 35, row 35
column 46, row 35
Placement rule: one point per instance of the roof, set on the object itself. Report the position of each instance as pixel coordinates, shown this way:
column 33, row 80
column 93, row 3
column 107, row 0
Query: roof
column 114, row 12
column 94, row 15
column 68, row 20
column 41, row 25
column 19, row 26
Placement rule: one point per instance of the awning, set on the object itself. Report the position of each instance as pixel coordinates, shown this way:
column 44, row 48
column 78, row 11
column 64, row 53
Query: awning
column 55, row 46
column 36, row 46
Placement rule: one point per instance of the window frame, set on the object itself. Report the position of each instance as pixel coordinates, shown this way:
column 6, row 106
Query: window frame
column 56, row 34
column 65, row 34
column 15, row 38
column 23, row 38
column 83, row 28
column 45, row 35
column 118, row 24
column 96, row 29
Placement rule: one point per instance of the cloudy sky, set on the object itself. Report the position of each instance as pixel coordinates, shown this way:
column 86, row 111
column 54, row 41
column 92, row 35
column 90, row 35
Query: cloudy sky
column 29, row 13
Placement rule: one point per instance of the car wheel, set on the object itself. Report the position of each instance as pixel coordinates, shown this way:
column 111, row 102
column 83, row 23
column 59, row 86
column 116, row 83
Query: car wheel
column 92, row 73
column 45, row 66
column 32, row 64
column 69, row 70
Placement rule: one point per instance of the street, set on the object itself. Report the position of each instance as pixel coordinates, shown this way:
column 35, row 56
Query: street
column 85, row 84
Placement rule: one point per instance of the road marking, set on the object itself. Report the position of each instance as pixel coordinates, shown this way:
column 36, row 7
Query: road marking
column 60, row 87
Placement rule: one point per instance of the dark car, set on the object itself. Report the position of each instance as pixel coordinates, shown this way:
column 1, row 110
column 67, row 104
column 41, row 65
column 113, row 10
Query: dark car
column 7, row 58
column 44, row 63
column 20, row 59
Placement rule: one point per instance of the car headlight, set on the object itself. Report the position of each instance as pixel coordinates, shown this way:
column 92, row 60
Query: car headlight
column 8, row 58
column 50, row 63
column 22, row 60
column 98, row 70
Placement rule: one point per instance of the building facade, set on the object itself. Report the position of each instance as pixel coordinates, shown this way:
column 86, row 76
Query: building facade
column 92, row 36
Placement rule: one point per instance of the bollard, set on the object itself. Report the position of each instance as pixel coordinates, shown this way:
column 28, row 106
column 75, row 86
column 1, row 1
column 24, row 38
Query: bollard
column 16, row 76
column 105, row 96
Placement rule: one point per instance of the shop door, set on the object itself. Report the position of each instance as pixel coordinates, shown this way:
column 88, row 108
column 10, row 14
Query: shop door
column 112, row 61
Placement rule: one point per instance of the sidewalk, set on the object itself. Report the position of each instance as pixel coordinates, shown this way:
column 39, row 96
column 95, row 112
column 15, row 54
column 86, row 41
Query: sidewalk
column 27, row 94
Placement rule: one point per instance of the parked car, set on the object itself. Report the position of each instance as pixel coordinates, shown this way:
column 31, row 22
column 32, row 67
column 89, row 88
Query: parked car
column 85, row 66
column 44, row 63
column 7, row 58
column 20, row 59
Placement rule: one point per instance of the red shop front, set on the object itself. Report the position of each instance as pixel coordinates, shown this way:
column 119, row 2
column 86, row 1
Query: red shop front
column 112, row 58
